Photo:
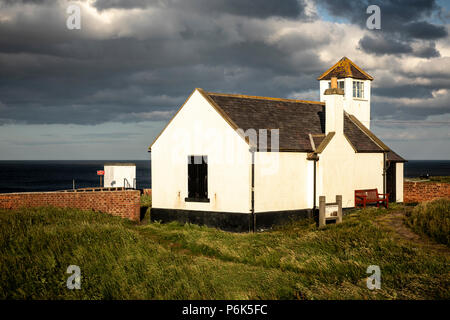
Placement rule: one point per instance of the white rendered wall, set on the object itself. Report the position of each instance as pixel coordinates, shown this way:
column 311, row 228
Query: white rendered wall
column 399, row 181
column 360, row 108
column 283, row 181
column 198, row 129
column 340, row 171
column 119, row 176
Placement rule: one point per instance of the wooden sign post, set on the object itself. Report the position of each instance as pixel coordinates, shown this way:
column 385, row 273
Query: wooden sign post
column 330, row 211
column 100, row 173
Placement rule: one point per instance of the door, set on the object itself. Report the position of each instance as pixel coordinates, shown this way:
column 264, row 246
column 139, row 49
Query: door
column 390, row 182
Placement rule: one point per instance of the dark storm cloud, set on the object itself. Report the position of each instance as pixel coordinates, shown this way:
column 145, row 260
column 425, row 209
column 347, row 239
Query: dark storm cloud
column 403, row 22
column 382, row 45
column 19, row 2
column 425, row 30
column 54, row 75
column 394, row 13
column 123, row 4
column 248, row 8
column 145, row 68
column 403, row 91
column 404, row 112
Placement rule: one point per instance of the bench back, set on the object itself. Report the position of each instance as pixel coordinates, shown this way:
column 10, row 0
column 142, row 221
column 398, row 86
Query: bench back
column 371, row 194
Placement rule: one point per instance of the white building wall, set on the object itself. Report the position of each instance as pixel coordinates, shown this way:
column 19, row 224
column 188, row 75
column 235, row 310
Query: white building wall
column 399, row 181
column 120, row 176
column 340, row 171
column 198, row 129
column 360, row 108
column 283, row 181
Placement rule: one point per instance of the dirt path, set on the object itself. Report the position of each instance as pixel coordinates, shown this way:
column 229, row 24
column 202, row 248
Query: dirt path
column 394, row 222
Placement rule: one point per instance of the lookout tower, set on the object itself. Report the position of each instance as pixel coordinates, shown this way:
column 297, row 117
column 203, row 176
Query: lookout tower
column 356, row 85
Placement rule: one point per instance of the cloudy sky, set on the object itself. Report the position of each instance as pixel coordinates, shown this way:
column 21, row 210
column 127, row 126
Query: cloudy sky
column 105, row 91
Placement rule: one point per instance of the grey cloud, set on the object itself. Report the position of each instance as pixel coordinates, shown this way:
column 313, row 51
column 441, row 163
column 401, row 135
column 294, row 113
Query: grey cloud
column 427, row 51
column 123, row 4
column 68, row 77
column 403, row 112
column 425, row 30
column 52, row 75
column 20, row 2
column 403, row 23
column 380, row 45
column 249, row 8
column 403, row 91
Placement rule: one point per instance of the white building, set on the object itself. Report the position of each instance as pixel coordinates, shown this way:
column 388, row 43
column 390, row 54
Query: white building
column 235, row 161
column 120, row 175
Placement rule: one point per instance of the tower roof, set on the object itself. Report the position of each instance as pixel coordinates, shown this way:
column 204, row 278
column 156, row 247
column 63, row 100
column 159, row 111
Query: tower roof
column 345, row 68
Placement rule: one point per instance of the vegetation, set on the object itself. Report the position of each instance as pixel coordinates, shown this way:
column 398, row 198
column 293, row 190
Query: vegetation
column 123, row 260
column 146, row 200
column 440, row 179
column 432, row 219
column 146, row 204
column 445, row 179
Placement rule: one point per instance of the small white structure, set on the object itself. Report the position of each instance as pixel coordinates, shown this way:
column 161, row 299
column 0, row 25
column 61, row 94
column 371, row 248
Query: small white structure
column 120, row 175
column 246, row 162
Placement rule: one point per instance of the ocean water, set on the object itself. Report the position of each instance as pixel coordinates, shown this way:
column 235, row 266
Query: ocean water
column 25, row 176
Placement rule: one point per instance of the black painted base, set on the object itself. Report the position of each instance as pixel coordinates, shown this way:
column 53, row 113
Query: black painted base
column 229, row 221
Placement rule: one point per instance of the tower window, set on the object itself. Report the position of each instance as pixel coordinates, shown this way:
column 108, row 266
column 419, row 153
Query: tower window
column 358, row 89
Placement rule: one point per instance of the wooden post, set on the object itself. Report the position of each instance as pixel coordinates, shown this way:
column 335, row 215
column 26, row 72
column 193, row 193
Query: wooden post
column 322, row 211
column 339, row 203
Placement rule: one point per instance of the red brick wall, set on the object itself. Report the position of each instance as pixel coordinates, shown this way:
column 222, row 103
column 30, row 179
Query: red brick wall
column 424, row 191
column 125, row 204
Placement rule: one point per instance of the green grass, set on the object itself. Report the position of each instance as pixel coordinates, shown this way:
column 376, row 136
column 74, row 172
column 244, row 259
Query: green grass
column 146, row 200
column 123, row 260
column 440, row 179
column 146, row 205
column 432, row 219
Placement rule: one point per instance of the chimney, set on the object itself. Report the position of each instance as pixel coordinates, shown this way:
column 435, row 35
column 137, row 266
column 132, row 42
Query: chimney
column 334, row 108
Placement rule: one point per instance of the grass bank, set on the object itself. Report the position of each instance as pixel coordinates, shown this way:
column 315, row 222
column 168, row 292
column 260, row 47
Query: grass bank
column 438, row 179
column 431, row 219
column 122, row 260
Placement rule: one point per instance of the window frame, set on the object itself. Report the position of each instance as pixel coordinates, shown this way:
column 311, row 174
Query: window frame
column 358, row 89
column 197, row 190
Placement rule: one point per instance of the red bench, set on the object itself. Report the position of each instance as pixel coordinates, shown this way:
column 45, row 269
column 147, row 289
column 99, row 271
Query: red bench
column 368, row 196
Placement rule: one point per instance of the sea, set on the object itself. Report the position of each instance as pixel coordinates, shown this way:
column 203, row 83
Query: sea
column 29, row 176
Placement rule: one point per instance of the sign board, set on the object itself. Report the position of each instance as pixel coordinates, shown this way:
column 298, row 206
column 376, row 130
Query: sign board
column 331, row 210
column 100, row 172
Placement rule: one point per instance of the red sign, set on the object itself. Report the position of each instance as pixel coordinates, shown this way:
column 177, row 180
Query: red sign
column 100, row 172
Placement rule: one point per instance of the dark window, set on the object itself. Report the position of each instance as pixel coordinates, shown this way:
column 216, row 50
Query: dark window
column 197, row 178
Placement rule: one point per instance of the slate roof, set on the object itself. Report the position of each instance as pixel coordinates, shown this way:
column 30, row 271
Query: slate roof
column 301, row 123
column 345, row 68
column 296, row 120
column 359, row 138
column 394, row 157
